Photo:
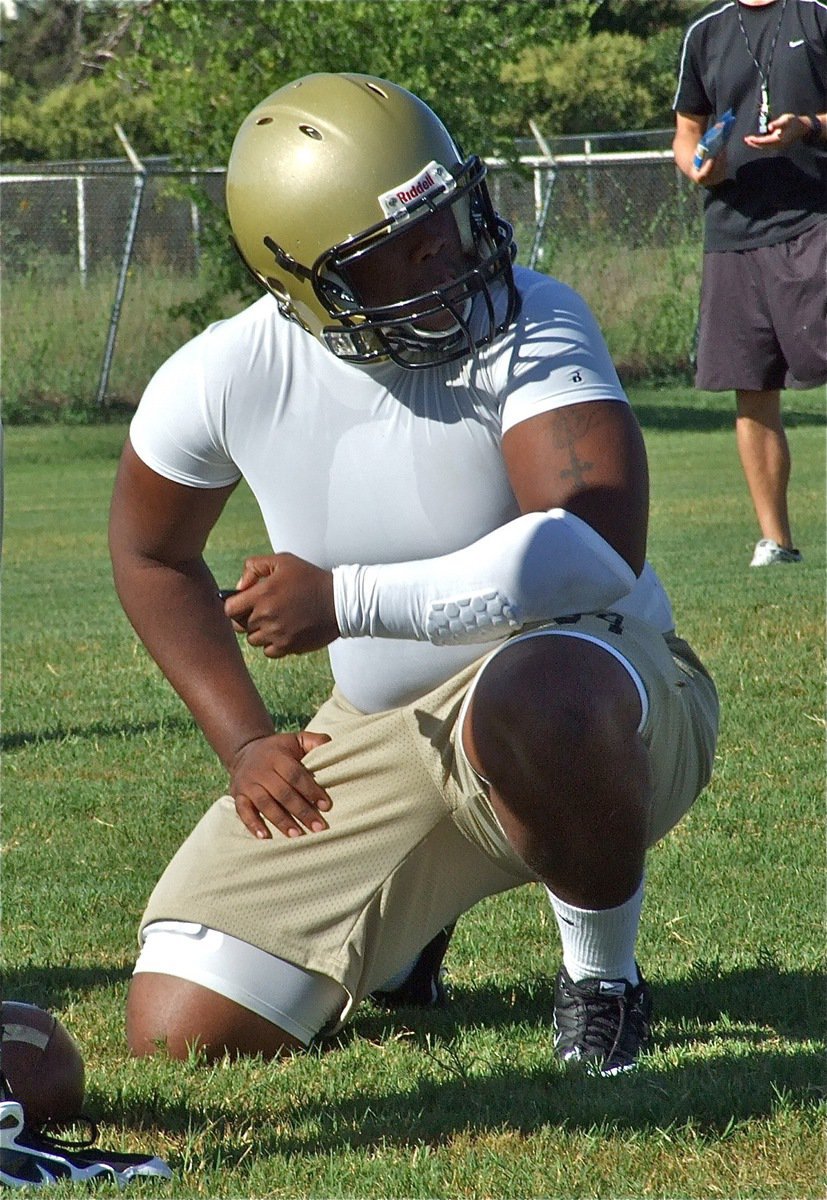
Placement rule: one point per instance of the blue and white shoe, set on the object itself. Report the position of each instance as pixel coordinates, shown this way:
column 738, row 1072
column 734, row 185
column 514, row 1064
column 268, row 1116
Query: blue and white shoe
column 30, row 1158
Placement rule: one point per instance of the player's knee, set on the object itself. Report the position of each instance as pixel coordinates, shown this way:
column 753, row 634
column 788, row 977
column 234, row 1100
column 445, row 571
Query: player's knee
column 171, row 1016
column 547, row 706
column 147, row 1016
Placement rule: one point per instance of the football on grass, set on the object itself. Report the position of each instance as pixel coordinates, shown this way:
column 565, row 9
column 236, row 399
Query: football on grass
column 41, row 1063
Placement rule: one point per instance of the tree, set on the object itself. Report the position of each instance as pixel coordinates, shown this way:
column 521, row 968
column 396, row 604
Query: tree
column 76, row 121
column 486, row 66
column 642, row 18
column 605, row 82
column 41, row 43
column 63, row 87
column 54, row 42
column 207, row 65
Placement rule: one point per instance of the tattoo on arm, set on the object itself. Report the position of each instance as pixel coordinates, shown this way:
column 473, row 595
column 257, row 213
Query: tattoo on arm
column 570, row 427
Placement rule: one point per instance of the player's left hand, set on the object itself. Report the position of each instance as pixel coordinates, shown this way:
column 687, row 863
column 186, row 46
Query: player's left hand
column 783, row 131
column 284, row 605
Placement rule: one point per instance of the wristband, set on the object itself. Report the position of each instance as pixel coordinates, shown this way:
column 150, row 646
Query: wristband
column 539, row 566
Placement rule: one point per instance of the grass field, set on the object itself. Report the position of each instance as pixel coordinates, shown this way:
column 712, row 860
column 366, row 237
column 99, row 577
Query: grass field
column 104, row 773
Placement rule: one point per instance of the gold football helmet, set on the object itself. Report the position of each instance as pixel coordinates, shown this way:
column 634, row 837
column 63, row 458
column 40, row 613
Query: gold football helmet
column 334, row 166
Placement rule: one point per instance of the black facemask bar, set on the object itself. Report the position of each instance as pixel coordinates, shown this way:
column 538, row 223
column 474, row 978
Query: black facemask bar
column 373, row 332
column 368, row 333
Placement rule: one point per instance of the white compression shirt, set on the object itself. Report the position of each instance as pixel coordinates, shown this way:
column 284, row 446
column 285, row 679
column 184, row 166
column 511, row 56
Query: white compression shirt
column 375, row 464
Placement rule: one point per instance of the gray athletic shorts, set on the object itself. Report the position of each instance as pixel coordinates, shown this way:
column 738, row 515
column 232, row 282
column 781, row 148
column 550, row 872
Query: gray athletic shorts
column 413, row 840
column 763, row 318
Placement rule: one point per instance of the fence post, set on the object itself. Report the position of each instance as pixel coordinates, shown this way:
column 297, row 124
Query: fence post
column 137, row 195
column 80, row 194
column 195, row 227
column 541, row 217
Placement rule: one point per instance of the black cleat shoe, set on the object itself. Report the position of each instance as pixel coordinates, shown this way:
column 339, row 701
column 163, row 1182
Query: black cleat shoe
column 424, row 987
column 604, row 1023
column 31, row 1158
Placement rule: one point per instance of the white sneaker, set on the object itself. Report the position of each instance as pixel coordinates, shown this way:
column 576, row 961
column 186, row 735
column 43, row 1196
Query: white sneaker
column 768, row 553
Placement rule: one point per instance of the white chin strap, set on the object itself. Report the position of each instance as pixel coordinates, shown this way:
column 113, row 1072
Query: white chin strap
column 455, row 327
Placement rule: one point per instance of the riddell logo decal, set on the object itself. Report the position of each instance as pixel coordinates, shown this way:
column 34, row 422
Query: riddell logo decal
column 424, row 184
column 430, row 178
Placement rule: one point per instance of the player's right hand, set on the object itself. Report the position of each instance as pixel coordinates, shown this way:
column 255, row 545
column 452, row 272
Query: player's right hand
column 269, row 783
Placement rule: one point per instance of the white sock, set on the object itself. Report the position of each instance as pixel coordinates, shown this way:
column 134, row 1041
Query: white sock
column 599, row 943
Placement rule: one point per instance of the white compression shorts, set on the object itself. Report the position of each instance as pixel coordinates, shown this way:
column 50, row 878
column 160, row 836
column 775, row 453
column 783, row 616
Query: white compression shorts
column 299, row 1001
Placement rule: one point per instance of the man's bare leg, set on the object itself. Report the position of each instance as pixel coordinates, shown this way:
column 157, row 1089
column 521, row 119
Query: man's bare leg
column 765, row 459
column 553, row 727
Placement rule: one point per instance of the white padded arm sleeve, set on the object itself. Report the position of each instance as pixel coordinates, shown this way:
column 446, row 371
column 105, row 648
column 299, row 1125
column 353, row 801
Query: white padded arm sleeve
column 539, row 566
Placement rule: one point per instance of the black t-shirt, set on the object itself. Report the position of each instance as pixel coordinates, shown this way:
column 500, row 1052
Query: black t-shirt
column 768, row 196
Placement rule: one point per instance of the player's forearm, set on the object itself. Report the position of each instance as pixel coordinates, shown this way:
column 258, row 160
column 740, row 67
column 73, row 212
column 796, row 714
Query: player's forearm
column 540, row 566
column 177, row 615
column 684, row 146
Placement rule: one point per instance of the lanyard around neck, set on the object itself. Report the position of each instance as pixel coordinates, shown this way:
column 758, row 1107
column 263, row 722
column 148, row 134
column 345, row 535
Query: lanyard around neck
column 764, row 76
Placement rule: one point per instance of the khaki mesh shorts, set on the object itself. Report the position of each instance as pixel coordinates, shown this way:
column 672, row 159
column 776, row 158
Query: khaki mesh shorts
column 413, row 841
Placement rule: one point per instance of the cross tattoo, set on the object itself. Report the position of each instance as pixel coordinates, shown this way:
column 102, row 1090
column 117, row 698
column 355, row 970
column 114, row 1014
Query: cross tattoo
column 570, row 428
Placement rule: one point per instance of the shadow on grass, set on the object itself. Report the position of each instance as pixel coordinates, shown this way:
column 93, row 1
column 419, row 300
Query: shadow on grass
column 712, row 1095
column 720, row 1084
column 684, row 418
column 790, row 1003
column 284, row 719
column 54, row 987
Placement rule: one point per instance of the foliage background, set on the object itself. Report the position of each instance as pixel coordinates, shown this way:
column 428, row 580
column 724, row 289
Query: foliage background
column 179, row 75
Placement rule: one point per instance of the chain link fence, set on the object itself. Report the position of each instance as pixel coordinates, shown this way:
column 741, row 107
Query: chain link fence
column 79, row 212
column 117, row 253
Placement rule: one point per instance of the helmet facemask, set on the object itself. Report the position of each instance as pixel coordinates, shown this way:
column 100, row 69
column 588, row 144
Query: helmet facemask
column 479, row 300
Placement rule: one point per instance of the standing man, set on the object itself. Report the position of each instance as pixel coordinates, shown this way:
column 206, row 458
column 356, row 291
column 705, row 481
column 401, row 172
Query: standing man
column 763, row 317
column 456, row 492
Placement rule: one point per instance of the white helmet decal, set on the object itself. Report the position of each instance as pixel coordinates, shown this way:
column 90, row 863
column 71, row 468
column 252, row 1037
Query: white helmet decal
column 434, row 178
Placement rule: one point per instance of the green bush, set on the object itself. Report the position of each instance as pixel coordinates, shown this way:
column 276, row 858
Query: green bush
column 77, row 120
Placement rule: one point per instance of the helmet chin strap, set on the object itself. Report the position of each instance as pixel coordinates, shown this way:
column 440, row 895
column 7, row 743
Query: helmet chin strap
column 452, row 329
